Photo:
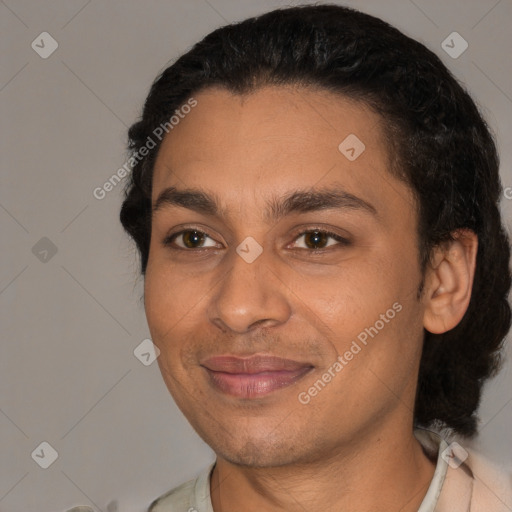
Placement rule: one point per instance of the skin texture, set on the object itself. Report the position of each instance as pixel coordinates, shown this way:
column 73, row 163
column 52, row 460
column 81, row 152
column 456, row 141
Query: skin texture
column 352, row 446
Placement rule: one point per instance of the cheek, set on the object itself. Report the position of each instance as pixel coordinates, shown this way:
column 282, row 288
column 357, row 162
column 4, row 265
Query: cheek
column 172, row 304
column 350, row 294
column 366, row 296
column 169, row 298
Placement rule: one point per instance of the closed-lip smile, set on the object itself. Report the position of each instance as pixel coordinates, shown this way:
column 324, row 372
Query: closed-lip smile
column 253, row 376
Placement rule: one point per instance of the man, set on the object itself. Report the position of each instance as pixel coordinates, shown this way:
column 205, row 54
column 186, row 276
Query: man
column 326, row 272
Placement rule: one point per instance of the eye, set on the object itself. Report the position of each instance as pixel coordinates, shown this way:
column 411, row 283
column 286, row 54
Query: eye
column 190, row 239
column 319, row 239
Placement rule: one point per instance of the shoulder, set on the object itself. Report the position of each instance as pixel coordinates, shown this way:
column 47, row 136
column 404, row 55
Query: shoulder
column 465, row 480
column 492, row 485
column 476, row 485
column 191, row 496
column 178, row 498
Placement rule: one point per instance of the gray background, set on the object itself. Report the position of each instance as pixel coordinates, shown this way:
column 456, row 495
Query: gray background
column 71, row 320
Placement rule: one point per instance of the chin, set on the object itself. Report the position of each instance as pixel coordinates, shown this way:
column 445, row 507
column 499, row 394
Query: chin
column 258, row 453
column 253, row 457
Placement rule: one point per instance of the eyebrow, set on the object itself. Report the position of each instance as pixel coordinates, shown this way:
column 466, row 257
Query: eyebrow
column 299, row 201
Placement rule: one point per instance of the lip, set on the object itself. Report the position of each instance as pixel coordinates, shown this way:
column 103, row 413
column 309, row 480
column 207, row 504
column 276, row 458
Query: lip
column 254, row 376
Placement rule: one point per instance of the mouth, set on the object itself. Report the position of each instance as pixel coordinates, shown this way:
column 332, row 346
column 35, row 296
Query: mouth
column 254, row 376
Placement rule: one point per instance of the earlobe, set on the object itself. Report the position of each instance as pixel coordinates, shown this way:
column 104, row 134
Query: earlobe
column 449, row 282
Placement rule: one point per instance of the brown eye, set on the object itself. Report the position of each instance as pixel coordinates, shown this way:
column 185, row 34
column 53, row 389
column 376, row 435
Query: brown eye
column 189, row 239
column 316, row 239
column 193, row 239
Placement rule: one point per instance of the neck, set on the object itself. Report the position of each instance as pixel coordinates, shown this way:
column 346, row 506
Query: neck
column 384, row 470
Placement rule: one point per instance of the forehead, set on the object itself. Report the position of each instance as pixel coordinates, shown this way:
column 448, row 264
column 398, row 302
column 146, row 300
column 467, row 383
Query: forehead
column 274, row 139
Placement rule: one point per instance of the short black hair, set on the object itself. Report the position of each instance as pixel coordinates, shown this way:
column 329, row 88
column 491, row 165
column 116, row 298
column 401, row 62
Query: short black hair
column 439, row 145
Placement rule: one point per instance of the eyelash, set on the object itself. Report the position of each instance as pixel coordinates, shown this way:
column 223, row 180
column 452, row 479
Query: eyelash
column 169, row 240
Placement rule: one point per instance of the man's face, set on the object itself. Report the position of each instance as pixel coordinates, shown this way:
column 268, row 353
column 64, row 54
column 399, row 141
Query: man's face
column 333, row 292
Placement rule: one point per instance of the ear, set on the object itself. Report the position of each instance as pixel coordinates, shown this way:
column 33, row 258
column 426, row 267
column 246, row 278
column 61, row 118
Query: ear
column 449, row 282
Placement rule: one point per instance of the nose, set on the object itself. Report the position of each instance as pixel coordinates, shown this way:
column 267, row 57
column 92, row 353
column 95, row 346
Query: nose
column 250, row 296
